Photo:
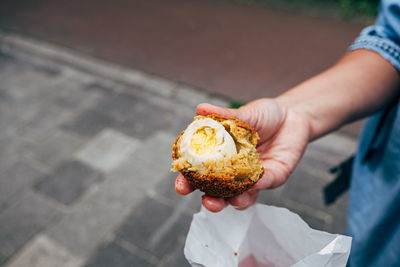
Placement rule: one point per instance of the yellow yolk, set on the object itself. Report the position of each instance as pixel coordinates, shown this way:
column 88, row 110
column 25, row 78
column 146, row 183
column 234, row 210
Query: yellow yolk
column 204, row 141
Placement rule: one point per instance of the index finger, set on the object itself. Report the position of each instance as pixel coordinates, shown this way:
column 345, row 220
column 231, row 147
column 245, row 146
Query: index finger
column 182, row 186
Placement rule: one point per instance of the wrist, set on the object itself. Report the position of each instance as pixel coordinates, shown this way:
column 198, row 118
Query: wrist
column 303, row 113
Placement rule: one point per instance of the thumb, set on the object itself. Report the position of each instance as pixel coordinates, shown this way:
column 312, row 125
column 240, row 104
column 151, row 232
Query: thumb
column 207, row 109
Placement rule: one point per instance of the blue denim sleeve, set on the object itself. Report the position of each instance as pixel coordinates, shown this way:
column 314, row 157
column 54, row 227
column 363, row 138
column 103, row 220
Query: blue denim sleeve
column 384, row 36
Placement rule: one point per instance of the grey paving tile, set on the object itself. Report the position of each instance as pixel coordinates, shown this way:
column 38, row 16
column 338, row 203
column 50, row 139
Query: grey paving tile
column 155, row 227
column 128, row 183
column 21, row 221
column 107, row 150
column 335, row 143
column 90, row 222
column 43, row 118
column 68, row 182
column 176, row 259
column 6, row 59
column 55, row 148
column 165, row 189
column 28, row 84
column 70, row 94
column 339, row 224
column 89, row 123
column 15, row 178
column 48, row 69
column 146, row 167
column 45, row 252
column 305, row 188
column 270, row 197
column 155, row 153
column 119, row 105
column 9, row 64
column 145, row 120
column 114, row 255
column 4, row 96
column 11, row 146
column 181, row 119
column 99, row 87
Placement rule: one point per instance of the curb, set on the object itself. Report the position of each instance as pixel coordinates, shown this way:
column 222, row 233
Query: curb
column 12, row 42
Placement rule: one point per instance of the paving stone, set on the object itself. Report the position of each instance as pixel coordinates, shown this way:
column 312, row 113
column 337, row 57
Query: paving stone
column 107, row 150
column 304, row 188
column 151, row 83
column 15, row 178
column 99, row 87
column 119, row 105
column 155, row 227
column 4, row 96
column 43, row 118
column 177, row 258
column 155, row 152
column 317, row 167
column 48, row 69
column 339, row 224
column 45, row 252
column 145, row 120
column 6, row 59
column 21, row 221
column 336, row 143
column 270, row 197
column 144, row 169
column 114, row 255
column 71, row 95
column 68, row 182
column 90, row 223
column 26, row 83
column 189, row 96
column 55, row 148
column 89, row 123
column 181, row 119
column 166, row 190
column 11, row 146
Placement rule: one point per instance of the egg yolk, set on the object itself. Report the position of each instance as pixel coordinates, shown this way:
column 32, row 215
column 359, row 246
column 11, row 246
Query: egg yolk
column 203, row 141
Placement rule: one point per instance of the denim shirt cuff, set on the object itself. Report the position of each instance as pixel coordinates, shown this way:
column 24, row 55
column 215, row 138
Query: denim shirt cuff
column 385, row 47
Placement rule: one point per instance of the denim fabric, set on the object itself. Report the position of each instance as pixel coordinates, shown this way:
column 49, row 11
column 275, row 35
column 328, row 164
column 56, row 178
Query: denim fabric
column 384, row 36
column 374, row 206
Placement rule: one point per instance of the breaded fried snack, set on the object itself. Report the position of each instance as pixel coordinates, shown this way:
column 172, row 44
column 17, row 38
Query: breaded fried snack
column 218, row 156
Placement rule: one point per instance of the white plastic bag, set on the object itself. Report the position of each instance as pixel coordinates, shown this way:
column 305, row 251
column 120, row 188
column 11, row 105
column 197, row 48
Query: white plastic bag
column 261, row 236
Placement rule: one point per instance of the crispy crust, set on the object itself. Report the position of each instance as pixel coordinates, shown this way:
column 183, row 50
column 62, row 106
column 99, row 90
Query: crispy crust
column 217, row 186
column 212, row 185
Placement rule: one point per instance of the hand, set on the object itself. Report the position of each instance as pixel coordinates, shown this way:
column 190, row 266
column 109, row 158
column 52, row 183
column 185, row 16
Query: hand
column 284, row 135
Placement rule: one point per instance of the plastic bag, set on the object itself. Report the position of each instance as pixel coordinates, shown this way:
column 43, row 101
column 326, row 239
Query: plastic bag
column 261, row 236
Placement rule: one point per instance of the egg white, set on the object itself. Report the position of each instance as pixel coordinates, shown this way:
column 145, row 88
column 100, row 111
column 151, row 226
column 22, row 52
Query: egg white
column 225, row 144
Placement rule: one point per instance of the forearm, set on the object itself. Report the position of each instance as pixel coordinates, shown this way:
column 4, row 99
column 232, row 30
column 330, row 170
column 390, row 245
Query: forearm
column 361, row 83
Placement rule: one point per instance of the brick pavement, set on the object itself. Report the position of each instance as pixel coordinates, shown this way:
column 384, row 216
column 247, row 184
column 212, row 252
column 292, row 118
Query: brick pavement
column 85, row 157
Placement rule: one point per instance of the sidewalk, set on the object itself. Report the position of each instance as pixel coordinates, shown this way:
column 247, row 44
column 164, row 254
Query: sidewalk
column 85, row 152
column 241, row 52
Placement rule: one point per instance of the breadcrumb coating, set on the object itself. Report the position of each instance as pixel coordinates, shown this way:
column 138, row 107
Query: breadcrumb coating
column 225, row 177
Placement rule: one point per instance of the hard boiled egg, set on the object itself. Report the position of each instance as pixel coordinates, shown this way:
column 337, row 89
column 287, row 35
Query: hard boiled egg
column 206, row 139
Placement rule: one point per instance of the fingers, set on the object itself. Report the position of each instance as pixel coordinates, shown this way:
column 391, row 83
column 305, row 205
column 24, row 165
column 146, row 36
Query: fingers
column 182, row 186
column 244, row 200
column 214, row 204
column 275, row 174
column 206, row 109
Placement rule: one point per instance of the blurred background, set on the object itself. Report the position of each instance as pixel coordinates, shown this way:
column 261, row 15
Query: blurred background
column 93, row 93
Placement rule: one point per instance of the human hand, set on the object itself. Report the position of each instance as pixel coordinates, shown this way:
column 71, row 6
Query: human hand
column 284, row 135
